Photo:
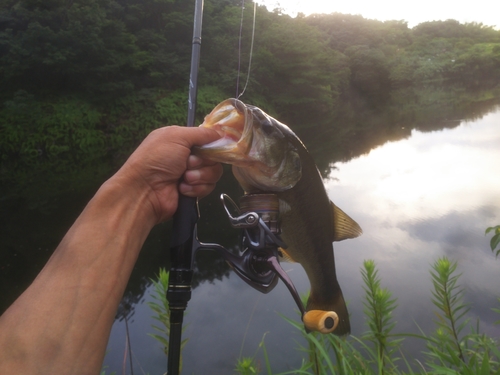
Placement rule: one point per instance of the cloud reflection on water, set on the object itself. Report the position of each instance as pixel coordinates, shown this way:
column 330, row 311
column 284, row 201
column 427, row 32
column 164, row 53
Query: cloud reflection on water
column 418, row 199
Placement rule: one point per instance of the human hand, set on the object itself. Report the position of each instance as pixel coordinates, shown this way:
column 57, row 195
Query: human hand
column 162, row 166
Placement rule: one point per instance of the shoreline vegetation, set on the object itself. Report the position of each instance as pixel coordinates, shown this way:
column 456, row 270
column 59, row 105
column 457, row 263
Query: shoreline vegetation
column 455, row 346
column 84, row 82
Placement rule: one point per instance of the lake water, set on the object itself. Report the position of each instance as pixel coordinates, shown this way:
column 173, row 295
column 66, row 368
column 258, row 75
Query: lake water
column 417, row 199
column 424, row 196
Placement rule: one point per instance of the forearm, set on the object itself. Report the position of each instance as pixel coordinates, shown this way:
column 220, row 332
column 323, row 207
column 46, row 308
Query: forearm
column 85, row 279
column 61, row 323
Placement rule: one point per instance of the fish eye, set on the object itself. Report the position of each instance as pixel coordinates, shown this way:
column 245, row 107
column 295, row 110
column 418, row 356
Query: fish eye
column 266, row 126
column 298, row 163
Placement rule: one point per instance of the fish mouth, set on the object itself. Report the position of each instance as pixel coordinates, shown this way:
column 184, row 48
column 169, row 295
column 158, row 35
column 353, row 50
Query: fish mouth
column 232, row 118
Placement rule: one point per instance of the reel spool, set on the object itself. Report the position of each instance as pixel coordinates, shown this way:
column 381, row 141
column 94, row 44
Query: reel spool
column 266, row 206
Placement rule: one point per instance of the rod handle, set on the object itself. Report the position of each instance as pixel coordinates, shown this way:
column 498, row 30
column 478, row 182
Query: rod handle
column 320, row 321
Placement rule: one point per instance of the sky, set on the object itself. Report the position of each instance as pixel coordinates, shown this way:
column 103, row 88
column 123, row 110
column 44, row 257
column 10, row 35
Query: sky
column 481, row 11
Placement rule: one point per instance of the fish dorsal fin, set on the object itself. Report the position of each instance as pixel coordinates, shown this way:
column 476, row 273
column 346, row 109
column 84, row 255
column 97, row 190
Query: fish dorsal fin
column 343, row 226
column 285, row 257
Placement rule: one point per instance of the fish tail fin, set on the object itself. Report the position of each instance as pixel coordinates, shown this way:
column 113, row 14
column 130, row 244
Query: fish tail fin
column 344, row 327
column 339, row 307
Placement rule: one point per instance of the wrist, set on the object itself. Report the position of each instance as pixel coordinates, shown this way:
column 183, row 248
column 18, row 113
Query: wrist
column 128, row 201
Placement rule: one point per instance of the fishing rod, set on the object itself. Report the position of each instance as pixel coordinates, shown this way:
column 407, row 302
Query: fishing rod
column 185, row 218
column 184, row 242
column 257, row 218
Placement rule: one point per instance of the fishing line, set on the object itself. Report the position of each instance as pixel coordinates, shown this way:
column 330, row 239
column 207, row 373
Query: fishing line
column 128, row 348
column 239, row 49
column 248, row 324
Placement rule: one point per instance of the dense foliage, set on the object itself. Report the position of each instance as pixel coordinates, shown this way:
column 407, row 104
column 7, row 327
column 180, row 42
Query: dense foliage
column 85, row 78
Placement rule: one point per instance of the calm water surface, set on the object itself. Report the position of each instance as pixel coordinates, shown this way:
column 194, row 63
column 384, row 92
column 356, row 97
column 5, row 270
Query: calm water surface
column 418, row 199
column 427, row 195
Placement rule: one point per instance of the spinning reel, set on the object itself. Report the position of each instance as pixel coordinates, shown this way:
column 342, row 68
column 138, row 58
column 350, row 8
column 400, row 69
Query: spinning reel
column 258, row 265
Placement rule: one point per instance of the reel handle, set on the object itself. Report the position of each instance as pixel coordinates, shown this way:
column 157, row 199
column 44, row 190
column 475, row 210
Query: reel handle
column 320, row 321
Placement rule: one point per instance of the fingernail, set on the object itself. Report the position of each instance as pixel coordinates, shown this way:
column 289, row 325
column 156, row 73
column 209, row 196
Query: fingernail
column 185, row 188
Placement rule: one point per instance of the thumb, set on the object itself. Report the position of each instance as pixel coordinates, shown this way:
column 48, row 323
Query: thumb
column 196, row 136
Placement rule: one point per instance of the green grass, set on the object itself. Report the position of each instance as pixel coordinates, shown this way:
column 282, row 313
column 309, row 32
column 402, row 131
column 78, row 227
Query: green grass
column 455, row 347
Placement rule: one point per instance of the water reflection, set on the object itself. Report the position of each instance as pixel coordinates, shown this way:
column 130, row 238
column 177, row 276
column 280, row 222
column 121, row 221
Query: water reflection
column 430, row 191
column 419, row 198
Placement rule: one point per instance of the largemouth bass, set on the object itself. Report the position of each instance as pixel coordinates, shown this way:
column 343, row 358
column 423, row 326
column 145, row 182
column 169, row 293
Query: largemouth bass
column 266, row 156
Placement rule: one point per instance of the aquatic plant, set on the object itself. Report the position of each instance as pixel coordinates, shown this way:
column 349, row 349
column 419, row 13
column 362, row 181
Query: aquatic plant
column 451, row 351
column 250, row 365
column 379, row 351
column 495, row 240
column 455, row 347
column 162, row 311
column 373, row 353
column 247, row 366
column 378, row 309
column 447, row 297
column 103, row 371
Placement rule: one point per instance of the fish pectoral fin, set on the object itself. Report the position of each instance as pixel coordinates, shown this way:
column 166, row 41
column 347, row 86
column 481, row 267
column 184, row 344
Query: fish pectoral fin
column 343, row 226
column 284, row 256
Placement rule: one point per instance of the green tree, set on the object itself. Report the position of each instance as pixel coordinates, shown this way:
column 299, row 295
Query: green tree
column 57, row 46
column 369, row 70
column 296, row 71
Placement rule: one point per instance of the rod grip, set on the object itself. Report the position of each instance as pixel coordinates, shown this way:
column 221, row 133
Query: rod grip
column 321, row 321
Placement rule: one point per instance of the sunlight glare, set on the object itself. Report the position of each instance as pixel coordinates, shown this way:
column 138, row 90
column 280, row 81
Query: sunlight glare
column 385, row 10
column 425, row 175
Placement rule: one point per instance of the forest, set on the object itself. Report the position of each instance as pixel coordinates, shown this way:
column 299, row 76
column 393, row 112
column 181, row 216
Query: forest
column 81, row 80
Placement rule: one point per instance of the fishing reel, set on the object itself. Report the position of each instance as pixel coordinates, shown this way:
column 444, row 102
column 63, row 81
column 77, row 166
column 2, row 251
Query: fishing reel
column 258, row 264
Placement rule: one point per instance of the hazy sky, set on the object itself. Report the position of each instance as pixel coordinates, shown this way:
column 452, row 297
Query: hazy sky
column 484, row 11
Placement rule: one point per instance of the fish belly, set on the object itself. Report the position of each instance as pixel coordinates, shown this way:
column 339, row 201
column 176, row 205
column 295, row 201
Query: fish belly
column 306, row 231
